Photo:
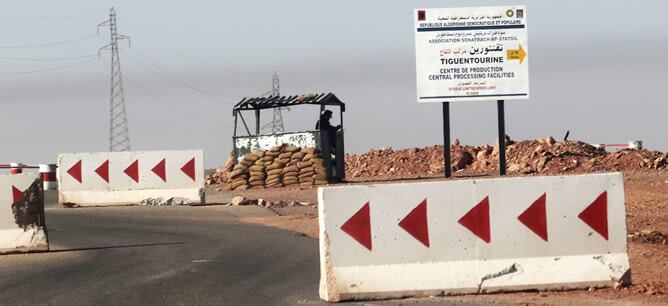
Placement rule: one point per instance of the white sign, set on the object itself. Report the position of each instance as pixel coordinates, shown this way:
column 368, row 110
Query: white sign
column 468, row 54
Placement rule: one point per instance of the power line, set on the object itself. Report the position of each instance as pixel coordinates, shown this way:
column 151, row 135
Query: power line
column 169, row 76
column 163, row 102
column 48, row 70
column 175, row 51
column 137, row 86
column 49, row 44
column 210, row 94
column 46, row 59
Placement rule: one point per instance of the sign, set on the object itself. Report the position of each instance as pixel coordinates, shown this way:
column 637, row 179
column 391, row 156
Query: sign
column 472, row 236
column 468, row 54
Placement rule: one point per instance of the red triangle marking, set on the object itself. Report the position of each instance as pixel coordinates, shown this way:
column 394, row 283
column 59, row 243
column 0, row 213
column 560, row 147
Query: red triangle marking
column 415, row 223
column 159, row 170
column 133, row 171
column 535, row 217
column 359, row 226
column 596, row 215
column 17, row 194
column 189, row 169
column 103, row 171
column 477, row 220
column 75, row 171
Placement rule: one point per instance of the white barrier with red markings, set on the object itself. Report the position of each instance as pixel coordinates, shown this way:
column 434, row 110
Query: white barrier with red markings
column 22, row 223
column 119, row 178
column 472, row 236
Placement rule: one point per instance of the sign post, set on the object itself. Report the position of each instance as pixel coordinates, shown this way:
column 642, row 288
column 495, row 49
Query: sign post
column 502, row 136
column 472, row 54
column 447, row 159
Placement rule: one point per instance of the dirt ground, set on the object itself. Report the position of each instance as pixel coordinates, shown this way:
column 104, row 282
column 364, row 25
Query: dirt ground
column 647, row 224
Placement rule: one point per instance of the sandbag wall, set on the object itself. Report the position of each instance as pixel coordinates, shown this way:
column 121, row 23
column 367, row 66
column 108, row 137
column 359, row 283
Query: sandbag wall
column 279, row 166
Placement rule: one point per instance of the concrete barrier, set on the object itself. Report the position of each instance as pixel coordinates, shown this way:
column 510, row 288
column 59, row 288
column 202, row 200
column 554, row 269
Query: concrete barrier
column 22, row 223
column 472, row 236
column 121, row 178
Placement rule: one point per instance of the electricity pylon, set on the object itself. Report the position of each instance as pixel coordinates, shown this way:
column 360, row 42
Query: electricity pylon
column 119, row 135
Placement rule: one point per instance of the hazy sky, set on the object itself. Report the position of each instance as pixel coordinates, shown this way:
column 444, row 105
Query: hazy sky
column 598, row 69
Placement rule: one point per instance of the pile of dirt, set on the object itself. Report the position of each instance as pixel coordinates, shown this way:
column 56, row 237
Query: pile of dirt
column 279, row 166
column 542, row 156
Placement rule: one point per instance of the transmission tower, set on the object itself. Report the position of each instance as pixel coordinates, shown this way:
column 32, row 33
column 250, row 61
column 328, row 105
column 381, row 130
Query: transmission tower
column 119, row 136
column 276, row 123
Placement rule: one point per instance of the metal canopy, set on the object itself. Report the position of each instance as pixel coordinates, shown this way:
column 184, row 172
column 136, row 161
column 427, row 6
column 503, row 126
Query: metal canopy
column 259, row 103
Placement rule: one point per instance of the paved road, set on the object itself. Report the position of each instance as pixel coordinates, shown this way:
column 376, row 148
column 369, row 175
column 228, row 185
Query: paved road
column 162, row 255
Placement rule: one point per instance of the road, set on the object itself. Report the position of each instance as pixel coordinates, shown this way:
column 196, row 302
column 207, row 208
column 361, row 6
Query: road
column 162, row 255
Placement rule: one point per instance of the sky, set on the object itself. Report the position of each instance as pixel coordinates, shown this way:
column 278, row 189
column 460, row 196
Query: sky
column 597, row 68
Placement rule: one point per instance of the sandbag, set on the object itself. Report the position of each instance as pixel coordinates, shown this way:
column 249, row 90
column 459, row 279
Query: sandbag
column 238, row 183
column 305, row 164
column 240, row 167
column 256, row 179
column 273, row 181
column 309, row 151
column 275, row 165
column 290, row 169
column 256, row 168
column 291, row 174
column 274, row 172
column 258, row 154
column 290, row 148
column 306, row 174
column 298, row 156
column 257, row 183
column 237, row 173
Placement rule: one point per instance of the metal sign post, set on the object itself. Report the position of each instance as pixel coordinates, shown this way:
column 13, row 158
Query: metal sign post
column 447, row 158
column 502, row 137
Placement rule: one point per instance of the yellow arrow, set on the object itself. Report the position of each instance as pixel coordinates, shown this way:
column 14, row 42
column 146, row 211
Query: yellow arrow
column 518, row 54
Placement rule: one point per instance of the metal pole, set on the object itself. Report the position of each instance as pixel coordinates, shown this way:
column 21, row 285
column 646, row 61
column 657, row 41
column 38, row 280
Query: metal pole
column 447, row 159
column 257, row 122
column 502, row 138
column 235, row 123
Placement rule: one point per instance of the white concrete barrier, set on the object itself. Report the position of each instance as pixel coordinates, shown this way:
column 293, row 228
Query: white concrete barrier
column 22, row 222
column 472, row 236
column 120, row 178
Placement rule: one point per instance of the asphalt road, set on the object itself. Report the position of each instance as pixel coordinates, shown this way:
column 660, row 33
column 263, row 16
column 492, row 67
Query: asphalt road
column 162, row 255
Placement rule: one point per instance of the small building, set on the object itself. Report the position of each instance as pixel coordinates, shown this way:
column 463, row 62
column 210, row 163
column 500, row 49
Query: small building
column 329, row 142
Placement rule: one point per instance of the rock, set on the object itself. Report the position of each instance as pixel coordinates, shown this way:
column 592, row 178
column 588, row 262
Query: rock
column 461, row 159
column 239, row 200
column 164, row 201
column 549, row 140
